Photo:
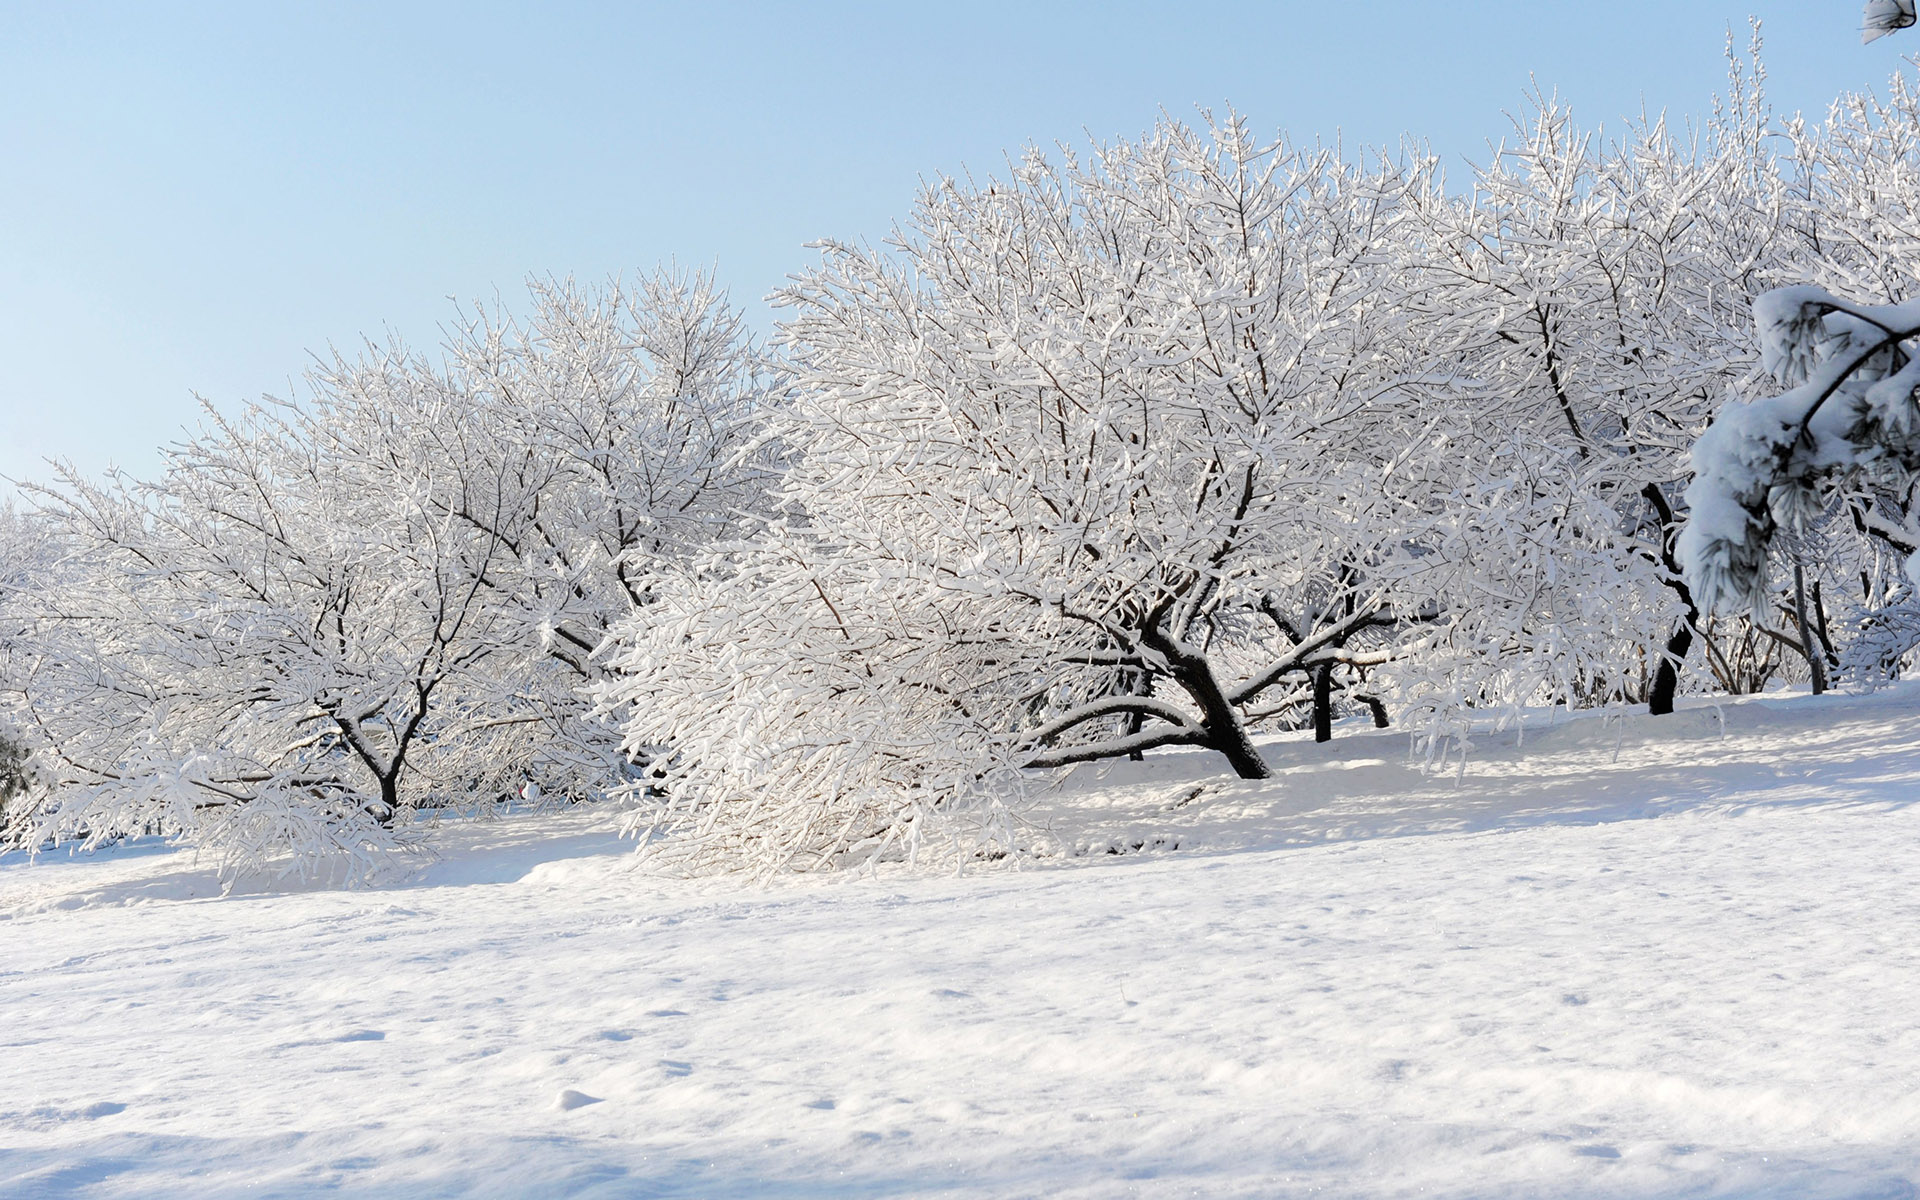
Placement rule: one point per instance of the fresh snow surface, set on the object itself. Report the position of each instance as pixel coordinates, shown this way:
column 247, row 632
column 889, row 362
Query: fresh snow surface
column 1626, row 956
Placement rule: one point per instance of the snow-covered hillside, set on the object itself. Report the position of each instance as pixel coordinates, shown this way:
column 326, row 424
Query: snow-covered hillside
column 1626, row 957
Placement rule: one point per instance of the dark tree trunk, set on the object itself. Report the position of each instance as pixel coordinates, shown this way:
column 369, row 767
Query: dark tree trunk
column 1323, row 703
column 1666, row 677
column 1820, row 627
column 1378, row 710
column 389, row 798
column 1226, row 730
column 1134, row 722
column 1240, row 753
column 1816, row 661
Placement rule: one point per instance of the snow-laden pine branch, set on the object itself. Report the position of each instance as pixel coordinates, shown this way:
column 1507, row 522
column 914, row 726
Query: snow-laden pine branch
column 1849, row 407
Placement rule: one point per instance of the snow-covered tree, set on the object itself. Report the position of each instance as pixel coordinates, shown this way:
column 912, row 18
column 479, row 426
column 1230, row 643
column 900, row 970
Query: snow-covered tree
column 1600, row 287
column 1813, row 484
column 609, row 434
column 1103, row 457
column 28, row 561
column 327, row 617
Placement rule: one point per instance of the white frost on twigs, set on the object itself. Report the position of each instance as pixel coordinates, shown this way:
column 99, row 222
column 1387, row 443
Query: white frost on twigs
column 323, row 618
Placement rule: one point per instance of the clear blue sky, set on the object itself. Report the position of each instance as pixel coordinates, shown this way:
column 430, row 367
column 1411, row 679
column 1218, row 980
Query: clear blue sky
column 193, row 197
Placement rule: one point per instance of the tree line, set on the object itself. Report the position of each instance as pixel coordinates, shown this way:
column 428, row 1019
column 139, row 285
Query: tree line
column 1163, row 442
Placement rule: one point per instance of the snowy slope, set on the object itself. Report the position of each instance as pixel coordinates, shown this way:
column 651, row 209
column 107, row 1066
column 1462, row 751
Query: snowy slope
column 1541, row 994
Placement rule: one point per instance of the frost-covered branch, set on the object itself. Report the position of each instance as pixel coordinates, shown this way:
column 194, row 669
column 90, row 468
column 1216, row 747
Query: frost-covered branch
column 1849, row 407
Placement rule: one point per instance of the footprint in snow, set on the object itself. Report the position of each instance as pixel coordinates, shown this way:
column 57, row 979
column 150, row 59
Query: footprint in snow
column 569, row 1100
column 823, row 1105
column 47, row 1116
column 676, row 1069
column 615, row 1035
column 362, row 1035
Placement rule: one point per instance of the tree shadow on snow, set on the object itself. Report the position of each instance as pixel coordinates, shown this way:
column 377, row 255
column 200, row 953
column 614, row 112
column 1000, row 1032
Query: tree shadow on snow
column 454, row 853
column 1728, row 755
column 375, row 1162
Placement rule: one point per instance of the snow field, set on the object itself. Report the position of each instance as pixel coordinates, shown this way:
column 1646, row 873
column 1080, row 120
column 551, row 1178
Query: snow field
column 1539, row 996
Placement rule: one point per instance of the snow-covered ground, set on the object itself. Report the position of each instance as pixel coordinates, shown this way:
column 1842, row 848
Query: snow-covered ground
column 1629, row 957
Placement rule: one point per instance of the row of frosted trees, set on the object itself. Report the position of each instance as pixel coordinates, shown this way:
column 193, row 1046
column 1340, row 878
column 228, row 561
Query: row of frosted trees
column 1166, row 443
